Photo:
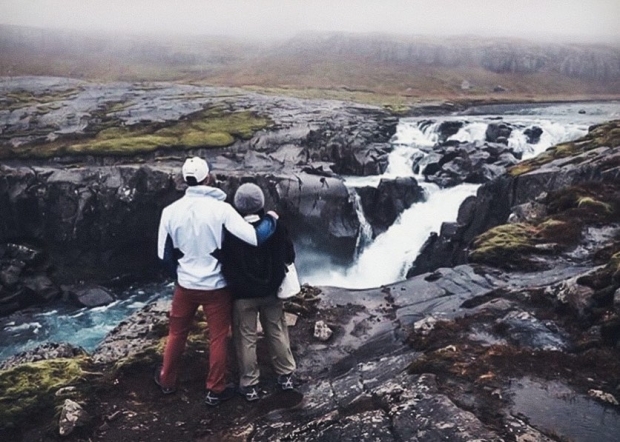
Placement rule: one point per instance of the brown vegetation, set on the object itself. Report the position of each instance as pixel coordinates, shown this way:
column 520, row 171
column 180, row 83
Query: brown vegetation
column 373, row 69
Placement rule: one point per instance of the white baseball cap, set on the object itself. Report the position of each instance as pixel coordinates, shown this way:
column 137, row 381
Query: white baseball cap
column 195, row 167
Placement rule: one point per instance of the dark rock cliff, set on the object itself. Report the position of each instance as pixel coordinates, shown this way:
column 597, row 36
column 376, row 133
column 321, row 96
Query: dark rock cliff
column 88, row 168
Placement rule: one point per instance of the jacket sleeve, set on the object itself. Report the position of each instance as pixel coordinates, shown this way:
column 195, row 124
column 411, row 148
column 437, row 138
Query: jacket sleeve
column 170, row 261
column 243, row 230
column 167, row 254
column 265, row 229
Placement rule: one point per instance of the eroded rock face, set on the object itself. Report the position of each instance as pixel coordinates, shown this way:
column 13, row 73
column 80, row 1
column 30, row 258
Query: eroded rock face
column 97, row 218
column 92, row 221
column 100, row 222
column 521, row 196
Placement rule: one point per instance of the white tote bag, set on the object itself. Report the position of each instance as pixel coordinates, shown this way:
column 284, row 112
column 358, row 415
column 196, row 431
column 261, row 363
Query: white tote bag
column 290, row 285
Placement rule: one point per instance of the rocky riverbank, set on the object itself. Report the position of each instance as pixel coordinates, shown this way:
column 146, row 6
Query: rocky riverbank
column 519, row 299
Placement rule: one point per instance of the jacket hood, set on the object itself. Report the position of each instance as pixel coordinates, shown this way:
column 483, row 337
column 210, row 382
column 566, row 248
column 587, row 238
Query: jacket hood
column 212, row 192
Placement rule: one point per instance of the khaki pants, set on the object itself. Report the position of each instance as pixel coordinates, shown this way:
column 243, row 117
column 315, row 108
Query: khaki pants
column 245, row 312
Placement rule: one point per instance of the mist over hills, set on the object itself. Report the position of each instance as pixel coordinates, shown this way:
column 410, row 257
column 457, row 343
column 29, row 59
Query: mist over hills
column 411, row 67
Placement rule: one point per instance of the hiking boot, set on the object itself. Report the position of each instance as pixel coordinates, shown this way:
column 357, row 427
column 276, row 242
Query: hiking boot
column 250, row 393
column 156, row 378
column 214, row 399
column 285, row 381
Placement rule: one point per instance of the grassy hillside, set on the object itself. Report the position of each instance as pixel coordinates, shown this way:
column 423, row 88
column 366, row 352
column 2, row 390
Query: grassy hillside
column 366, row 68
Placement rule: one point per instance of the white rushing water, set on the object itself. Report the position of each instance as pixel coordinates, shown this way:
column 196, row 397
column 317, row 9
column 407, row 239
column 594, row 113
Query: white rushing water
column 383, row 260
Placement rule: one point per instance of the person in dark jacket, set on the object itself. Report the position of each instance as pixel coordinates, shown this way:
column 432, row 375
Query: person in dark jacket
column 253, row 275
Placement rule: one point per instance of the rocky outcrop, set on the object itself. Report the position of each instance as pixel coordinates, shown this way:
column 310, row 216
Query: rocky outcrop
column 594, row 159
column 452, row 163
column 97, row 223
column 352, row 149
column 384, row 203
column 51, row 350
column 435, row 356
column 89, row 167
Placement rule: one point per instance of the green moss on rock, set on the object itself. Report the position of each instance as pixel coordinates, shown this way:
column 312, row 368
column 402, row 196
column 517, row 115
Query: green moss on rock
column 570, row 210
column 120, row 146
column 213, row 128
column 21, row 98
column 501, row 242
column 196, row 138
column 30, row 387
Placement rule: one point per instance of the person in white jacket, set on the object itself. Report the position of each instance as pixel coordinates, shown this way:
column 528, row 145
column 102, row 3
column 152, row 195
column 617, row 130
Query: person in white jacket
column 189, row 242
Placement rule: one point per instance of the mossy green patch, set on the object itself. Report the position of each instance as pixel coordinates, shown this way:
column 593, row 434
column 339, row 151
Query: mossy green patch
column 238, row 124
column 591, row 203
column 21, row 98
column 511, row 245
column 119, row 146
column 505, row 246
column 569, row 211
column 213, row 128
column 30, row 387
column 197, row 138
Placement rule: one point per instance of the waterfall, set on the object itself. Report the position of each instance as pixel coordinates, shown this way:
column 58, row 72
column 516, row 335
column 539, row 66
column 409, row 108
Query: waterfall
column 390, row 255
column 365, row 236
column 387, row 259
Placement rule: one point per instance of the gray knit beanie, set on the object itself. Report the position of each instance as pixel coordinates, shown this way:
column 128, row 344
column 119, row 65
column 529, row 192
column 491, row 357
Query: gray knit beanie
column 249, row 199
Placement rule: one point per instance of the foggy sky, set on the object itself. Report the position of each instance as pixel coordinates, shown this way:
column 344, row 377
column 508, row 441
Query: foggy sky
column 586, row 20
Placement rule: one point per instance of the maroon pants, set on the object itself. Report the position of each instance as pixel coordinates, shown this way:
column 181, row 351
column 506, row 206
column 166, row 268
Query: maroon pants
column 217, row 307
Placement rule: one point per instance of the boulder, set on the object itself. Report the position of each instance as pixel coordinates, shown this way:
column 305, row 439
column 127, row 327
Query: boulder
column 533, row 134
column 448, row 128
column 497, row 131
column 382, row 205
column 72, row 416
column 42, row 287
column 90, row 296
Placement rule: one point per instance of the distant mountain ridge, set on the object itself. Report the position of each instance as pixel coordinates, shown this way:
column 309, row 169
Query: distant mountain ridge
column 587, row 61
column 414, row 67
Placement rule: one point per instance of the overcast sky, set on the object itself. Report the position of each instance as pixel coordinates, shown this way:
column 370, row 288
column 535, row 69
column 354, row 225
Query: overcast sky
column 590, row 20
